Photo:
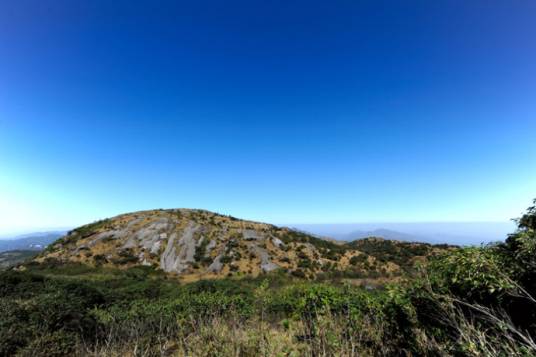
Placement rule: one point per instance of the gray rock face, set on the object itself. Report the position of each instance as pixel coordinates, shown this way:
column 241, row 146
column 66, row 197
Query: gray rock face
column 130, row 225
column 269, row 266
column 188, row 243
column 266, row 264
column 167, row 259
column 216, row 265
column 81, row 248
column 155, row 248
column 211, row 245
column 130, row 243
column 105, row 235
column 277, row 242
column 148, row 237
column 176, row 257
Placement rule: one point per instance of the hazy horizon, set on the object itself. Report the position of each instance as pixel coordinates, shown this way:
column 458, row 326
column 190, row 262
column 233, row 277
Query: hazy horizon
column 461, row 233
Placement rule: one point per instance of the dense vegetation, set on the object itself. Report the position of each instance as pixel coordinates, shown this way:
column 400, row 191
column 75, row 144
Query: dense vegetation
column 466, row 301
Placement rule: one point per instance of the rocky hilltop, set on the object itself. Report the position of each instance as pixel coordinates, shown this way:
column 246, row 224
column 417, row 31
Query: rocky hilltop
column 197, row 244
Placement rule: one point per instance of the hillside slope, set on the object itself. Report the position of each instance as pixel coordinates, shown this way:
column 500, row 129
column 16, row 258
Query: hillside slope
column 197, row 244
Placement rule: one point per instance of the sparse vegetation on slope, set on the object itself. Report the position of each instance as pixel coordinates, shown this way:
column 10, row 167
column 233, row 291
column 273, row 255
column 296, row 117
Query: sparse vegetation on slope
column 196, row 244
column 404, row 254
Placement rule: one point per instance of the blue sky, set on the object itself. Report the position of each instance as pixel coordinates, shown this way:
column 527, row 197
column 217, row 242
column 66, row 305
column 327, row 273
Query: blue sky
column 279, row 111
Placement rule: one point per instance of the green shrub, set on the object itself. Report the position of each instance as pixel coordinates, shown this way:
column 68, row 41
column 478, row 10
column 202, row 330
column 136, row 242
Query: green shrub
column 226, row 259
column 298, row 273
column 55, row 344
column 100, row 259
column 356, row 259
column 15, row 328
column 200, row 252
column 19, row 283
column 475, row 272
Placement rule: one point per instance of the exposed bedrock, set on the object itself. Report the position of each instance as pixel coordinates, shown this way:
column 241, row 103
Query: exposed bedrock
column 177, row 256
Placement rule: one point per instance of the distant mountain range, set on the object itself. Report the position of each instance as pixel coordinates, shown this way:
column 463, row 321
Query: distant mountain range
column 33, row 241
column 457, row 233
column 381, row 233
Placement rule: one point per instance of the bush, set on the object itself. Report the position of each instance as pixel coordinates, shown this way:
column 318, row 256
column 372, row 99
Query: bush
column 298, row 273
column 356, row 259
column 477, row 273
column 20, row 284
column 200, row 251
column 56, row 344
column 226, row 259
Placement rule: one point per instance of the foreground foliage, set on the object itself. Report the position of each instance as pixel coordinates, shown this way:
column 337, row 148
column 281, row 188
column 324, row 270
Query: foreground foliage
column 469, row 301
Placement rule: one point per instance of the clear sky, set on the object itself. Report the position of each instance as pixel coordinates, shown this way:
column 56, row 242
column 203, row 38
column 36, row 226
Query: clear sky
column 279, row 111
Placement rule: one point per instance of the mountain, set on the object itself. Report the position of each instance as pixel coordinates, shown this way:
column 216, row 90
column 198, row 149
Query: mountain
column 33, row 241
column 381, row 233
column 456, row 233
column 198, row 244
